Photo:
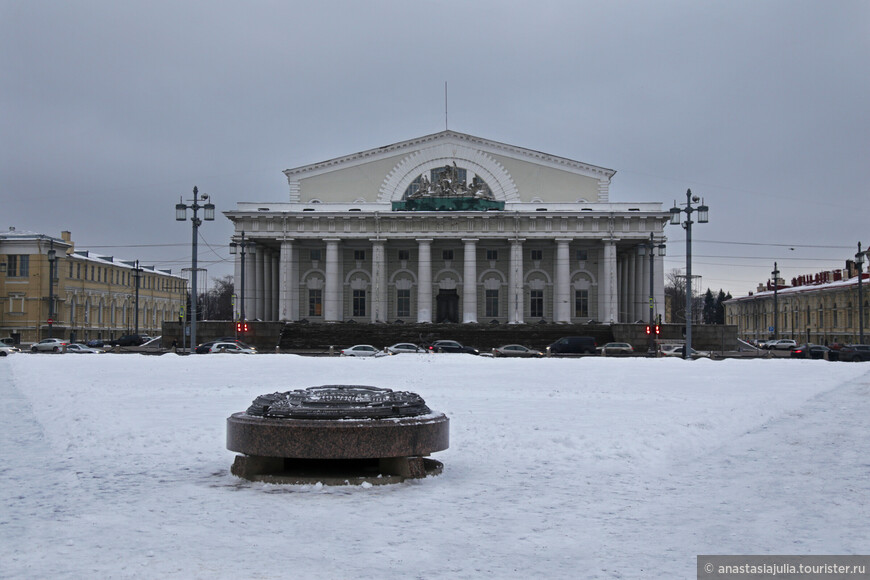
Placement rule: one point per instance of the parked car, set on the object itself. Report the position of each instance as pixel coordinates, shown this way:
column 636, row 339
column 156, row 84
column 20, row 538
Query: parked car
column 204, row 348
column 855, row 352
column 129, row 340
column 616, row 349
column 79, row 348
column 360, row 350
column 451, row 346
column 6, row 350
column 678, row 350
column 516, row 350
column 401, row 347
column 781, row 344
column 231, row 348
column 573, row 345
column 810, row 351
column 49, row 345
column 96, row 343
column 8, row 341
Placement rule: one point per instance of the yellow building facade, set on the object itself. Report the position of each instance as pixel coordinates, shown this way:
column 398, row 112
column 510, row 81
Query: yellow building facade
column 822, row 309
column 50, row 289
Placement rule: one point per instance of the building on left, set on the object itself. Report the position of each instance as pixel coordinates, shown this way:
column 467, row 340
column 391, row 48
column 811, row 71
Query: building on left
column 50, row 289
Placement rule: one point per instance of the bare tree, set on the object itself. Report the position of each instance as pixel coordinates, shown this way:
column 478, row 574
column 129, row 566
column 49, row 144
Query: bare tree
column 217, row 303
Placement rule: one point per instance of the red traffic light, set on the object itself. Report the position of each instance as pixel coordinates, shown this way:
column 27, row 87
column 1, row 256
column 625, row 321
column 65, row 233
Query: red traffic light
column 658, row 329
column 647, row 329
column 242, row 327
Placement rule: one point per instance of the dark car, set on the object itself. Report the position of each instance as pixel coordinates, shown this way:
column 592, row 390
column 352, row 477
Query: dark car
column 855, row 352
column 129, row 340
column 451, row 346
column 816, row 351
column 573, row 345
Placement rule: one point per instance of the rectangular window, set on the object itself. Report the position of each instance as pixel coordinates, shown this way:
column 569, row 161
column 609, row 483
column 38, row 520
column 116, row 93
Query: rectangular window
column 16, row 303
column 315, row 302
column 18, row 266
column 79, row 271
column 359, row 302
column 492, row 255
column 582, row 256
column 404, row 254
column 359, row 255
column 581, row 303
column 536, row 304
column 70, row 269
column 537, row 255
column 403, row 303
column 314, row 255
column 447, row 255
column 491, row 303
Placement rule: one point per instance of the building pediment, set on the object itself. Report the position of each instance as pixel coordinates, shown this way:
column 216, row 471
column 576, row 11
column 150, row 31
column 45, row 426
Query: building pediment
column 513, row 174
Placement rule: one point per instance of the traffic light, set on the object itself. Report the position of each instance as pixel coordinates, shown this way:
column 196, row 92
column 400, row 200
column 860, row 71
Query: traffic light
column 658, row 330
column 241, row 327
column 648, row 330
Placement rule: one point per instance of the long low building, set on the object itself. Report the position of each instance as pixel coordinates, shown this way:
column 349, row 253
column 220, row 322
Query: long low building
column 820, row 309
column 50, row 289
column 448, row 228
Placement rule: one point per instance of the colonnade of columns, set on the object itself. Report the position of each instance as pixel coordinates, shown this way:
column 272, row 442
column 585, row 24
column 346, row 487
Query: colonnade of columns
column 272, row 283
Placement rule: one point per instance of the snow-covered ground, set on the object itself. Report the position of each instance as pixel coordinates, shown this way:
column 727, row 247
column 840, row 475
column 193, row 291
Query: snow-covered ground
column 115, row 466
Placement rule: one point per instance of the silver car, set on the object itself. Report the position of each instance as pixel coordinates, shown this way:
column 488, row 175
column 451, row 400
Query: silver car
column 49, row 345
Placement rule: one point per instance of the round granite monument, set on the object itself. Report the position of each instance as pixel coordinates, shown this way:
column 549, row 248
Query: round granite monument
column 337, row 435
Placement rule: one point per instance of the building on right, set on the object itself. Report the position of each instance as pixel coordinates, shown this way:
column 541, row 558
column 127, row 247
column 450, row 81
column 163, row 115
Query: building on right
column 822, row 308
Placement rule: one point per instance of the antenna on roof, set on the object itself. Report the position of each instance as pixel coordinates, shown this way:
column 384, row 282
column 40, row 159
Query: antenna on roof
column 445, row 105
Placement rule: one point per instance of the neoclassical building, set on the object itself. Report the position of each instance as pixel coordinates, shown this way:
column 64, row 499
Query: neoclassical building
column 50, row 289
column 448, row 228
column 824, row 308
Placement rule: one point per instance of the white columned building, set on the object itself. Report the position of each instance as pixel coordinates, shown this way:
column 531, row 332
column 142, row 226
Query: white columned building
column 449, row 228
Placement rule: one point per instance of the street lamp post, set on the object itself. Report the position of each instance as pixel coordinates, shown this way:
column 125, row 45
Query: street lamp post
column 775, row 274
column 52, row 258
column 137, row 272
column 859, row 261
column 652, row 246
column 242, row 245
column 181, row 215
column 703, row 217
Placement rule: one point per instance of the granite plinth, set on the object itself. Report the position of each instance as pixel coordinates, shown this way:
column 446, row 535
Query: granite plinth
column 337, row 439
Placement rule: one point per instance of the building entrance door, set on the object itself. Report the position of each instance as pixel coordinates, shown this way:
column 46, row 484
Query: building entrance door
column 447, row 306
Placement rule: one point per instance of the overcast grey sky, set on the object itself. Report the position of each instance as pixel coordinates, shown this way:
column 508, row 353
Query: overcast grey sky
column 113, row 110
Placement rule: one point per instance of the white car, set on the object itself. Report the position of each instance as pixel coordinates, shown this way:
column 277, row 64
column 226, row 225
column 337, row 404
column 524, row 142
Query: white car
column 231, row 348
column 82, row 349
column 677, row 350
column 781, row 344
column 6, row 350
column 49, row 345
column 401, row 347
column 360, row 350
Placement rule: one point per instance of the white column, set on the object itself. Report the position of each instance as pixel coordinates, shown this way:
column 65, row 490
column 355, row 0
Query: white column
column 237, row 288
column 332, row 311
column 379, row 281
column 259, row 274
column 276, row 285
column 469, row 282
column 644, row 286
column 608, row 283
column 424, row 280
column 622, row 289
column 641, row 295
column 267, row 285
column 250, row 281
column 562, row 292
column 516, row 299
column 288, row 284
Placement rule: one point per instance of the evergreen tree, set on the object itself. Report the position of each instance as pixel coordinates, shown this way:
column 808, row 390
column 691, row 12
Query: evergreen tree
column 709, row 308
